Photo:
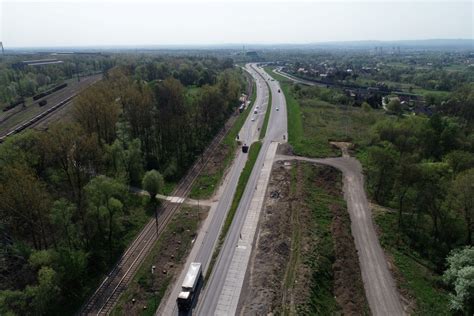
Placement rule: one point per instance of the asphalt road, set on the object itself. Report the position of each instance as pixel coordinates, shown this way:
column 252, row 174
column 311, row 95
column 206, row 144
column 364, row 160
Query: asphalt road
column 277, row 131
column 379, row 285
column 207, row 237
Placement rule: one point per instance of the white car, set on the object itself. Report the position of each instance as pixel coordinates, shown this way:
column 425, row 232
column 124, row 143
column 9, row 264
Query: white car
column 278, row 109
column 253, row 118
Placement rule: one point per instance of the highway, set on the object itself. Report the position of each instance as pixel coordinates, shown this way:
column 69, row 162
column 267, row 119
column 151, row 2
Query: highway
column 234, row 255
column 207, row 238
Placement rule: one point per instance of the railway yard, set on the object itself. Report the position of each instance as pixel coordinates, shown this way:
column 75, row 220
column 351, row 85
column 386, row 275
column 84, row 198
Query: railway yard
column 32, row 115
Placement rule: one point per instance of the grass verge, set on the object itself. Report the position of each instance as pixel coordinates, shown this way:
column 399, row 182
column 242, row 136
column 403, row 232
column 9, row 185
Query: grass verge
column 414, row 278
column 167, row 255
column 254, row 150
column 207, row 181
column 263, row 131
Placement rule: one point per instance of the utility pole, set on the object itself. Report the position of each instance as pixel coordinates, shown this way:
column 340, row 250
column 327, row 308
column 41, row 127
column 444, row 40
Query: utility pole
column 156, row 221
column 3, row 51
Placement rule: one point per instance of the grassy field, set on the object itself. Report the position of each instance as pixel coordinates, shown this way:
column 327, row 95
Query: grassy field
column 168, row 254
column 207, row 182
column 313, row 123
column 420, row 282
column 254, row 150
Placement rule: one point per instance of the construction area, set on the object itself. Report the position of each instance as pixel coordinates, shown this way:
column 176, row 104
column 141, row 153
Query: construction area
column 304, row 260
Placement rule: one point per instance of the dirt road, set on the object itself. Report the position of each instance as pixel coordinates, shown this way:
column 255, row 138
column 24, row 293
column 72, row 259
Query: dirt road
column 380, row 287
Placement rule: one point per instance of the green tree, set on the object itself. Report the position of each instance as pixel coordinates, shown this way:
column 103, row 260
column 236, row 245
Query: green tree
column 104, row 196
column 432, row 188
column 462, row 192
column 459, row 160
column 153, row 183
column 46, row 292
column 395, row 106
column 382, row 171
column 61, row 216
column 134, row 162
column 97, row 111
column 24, row 206
column 366, row 107
column 405, row 179
column 460, row 275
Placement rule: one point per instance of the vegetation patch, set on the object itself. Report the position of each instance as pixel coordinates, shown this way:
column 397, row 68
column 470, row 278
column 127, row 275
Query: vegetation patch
column 168, row 255
column 415, row 277
column 263, row 131
column 313, row 122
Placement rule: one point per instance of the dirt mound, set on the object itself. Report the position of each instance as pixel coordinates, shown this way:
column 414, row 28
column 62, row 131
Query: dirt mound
column 285, row 149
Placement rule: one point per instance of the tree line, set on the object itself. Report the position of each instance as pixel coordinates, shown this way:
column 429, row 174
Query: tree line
column 65, row 205
column 423, row 167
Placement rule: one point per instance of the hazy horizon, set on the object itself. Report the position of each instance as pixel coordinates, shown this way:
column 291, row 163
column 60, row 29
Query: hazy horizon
column 28, row 24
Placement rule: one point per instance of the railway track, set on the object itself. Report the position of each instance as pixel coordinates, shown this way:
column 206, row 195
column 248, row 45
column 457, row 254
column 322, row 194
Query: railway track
column 108, row 293
column 43, row 115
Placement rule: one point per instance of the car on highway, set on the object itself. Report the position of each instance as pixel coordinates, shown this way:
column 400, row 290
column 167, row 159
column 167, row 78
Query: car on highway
column 278, row 109
column 253, row 118
column 255, row 111
column 278, row 90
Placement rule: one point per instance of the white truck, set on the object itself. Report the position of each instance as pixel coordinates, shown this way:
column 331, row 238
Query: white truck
column 190, row 284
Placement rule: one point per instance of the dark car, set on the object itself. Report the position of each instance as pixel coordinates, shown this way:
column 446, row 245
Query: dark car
column 42, row 102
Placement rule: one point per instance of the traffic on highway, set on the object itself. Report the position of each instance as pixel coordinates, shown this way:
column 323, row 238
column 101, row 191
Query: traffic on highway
column 206, row 240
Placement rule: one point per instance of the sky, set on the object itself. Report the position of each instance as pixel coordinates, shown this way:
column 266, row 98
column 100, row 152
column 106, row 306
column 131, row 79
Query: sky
column 39, row 23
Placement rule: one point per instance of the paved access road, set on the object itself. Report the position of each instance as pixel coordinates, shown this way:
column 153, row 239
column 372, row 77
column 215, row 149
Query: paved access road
column 379, row 285
column 207, row 237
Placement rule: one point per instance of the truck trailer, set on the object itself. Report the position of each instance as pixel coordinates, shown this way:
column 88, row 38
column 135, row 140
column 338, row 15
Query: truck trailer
column 190, row 284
